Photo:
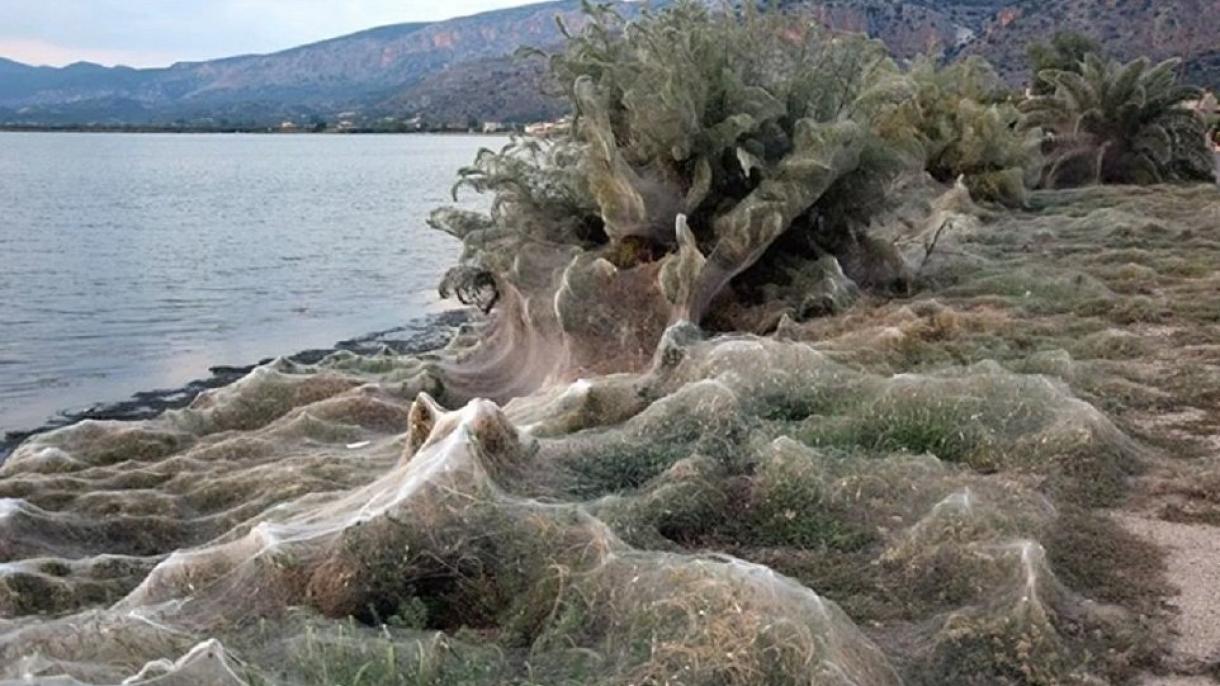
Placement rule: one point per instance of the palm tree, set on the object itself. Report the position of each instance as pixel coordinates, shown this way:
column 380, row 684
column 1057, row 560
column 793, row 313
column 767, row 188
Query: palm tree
column 1065, row 52
column 1119, row 123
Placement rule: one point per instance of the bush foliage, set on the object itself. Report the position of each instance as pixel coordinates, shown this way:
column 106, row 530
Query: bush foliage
column 756, row 143
column 753, row 125
column 970, row 129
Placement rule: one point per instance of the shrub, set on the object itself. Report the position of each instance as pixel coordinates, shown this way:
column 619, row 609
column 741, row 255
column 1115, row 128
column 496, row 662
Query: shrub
column 751, row 125
column 970, row 130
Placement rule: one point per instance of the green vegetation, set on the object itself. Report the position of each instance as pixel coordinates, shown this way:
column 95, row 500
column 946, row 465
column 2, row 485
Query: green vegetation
column 779, row 142
column 969, row 130
column 749, row 127
column 1120, row 123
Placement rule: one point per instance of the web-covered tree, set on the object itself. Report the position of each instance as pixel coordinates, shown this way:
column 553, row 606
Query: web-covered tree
column 713, row 143
column 1120, row 123
column 749, row 126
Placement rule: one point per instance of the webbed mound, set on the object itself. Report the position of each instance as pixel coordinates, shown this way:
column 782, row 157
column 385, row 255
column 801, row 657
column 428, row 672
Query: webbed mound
column 568, row 538
column 441, row 540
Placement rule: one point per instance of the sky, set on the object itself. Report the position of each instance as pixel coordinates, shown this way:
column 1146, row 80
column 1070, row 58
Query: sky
column 155, row 33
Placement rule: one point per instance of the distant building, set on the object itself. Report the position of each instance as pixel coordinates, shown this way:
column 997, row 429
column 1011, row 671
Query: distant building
column 288, row 126
column 547, row 129
column 493, row 127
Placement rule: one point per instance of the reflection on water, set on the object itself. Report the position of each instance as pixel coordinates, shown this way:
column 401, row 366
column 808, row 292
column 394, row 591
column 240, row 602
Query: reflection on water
column 137, row 261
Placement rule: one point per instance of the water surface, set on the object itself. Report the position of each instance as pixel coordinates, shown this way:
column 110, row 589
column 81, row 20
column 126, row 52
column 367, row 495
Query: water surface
column 136, row 261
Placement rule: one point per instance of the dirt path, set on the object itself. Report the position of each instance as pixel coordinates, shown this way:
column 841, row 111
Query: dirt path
column 1176, row 507
column 1193, row 569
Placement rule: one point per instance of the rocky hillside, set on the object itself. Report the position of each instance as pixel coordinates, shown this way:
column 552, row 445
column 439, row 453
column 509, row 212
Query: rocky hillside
column 1001, row 30
column 500, row 89
column 1125, row 28
column 461, row 69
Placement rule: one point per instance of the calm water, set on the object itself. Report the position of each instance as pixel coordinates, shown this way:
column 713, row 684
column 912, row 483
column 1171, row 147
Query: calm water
column 131, row 262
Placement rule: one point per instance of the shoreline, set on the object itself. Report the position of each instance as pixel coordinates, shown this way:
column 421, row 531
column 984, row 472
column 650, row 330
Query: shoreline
column 424, row 333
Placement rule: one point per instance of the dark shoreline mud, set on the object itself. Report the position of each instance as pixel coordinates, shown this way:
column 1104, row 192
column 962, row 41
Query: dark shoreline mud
column 416, row 336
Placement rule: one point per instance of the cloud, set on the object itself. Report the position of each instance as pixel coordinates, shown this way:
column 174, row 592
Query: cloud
column 42, row 53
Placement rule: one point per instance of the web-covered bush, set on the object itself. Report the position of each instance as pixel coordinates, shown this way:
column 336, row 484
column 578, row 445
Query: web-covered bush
column 749, row 125
column 970, row 130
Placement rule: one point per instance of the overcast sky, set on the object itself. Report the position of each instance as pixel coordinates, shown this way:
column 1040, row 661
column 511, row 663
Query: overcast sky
column 151, row 33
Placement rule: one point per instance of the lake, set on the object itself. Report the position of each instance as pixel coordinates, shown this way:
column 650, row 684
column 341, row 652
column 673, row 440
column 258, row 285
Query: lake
column 137, row 261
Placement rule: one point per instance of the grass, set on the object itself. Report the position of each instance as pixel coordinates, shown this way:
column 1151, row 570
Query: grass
column 348, row 654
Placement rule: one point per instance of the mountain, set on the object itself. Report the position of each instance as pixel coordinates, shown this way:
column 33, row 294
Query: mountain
column 355, row 72
column 461, row 69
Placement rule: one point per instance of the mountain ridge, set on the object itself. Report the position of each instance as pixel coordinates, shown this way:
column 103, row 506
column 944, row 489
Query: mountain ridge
column 354, row 71
column 459, row 70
